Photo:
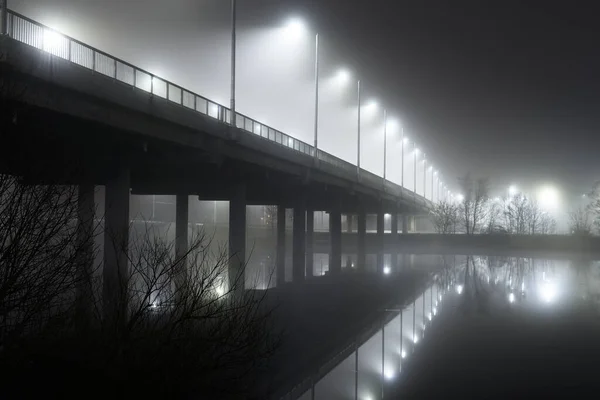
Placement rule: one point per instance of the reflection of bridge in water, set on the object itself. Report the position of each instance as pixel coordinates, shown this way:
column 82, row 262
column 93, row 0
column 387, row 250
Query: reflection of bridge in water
column 372, row 366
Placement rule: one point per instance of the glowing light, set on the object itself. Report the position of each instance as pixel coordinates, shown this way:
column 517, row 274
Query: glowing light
column 387, row 270
column 53, row 42
column 513, row 190
column 220, row 290
column 435, row 172
column 429, row 316
column 213, row 109
column 434, row 310
column 295, row 28
column 460, row 197
column 548, row 292
column 342, row 77
column 154, row 304
column 497, row 199
column 415, row 339
column 389, row 374
column 511, row 297
column 417, row 151
column 405, row 140
column 372, row 105
column 548, row 198
column 459, row 289
column 403, row 354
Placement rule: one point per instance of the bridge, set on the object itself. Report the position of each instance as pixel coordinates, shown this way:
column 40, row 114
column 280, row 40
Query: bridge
column 92, row 119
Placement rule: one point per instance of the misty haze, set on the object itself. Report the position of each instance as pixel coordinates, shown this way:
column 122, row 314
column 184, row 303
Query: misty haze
column 268, row 199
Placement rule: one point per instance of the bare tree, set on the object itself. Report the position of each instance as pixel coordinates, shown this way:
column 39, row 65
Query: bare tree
column 580, row 222
column 593, row 206
column 187, row 328
column 41, row 256
column 474, row 207
column 516, row 211
column 523, row 216
column 445, row 217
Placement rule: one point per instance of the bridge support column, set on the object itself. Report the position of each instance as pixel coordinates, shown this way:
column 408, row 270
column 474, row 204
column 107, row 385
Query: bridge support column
column 85, row 246
column 181, row 238
column 237, row 239
column 299, row 249
column 310, row 229
column 404, row 224
column 380, row 239
column 361, row 260
column 394, row 239
column 116, row 245
column 280, row 257
column 335, row 232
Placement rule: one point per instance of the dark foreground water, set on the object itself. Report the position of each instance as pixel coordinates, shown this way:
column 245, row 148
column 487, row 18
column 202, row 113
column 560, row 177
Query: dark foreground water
column 487, row 327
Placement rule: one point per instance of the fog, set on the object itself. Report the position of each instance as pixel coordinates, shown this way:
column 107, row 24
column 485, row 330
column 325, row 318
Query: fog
column 188, row 43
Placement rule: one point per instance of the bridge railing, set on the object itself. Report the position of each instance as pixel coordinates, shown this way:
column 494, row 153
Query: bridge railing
column 33, row 33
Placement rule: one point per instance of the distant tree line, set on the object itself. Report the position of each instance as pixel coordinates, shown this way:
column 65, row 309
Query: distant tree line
column 584, row 220
column 477, row 213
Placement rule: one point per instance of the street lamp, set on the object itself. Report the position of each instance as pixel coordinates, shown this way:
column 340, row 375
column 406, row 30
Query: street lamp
column 316, row 93
column 424, row 177
column 404, row 140
column 416, row 151
column 233, row 61
column 358, row 145
column 432, row 175
column 384, row 142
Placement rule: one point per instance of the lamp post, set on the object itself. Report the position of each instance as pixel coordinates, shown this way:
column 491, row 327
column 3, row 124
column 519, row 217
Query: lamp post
column 316, row 92
column 424, row 177
column 384, row 143
column 402, row 158
column 233, row 61
column 415, row 172
column 358, row 130
column 432, row 175
column 4, row 17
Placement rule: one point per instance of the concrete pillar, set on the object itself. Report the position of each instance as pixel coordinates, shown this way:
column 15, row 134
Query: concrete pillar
column 310, row 229
column 237, row 239
column 380, row 239
column 349, row 218
column 335, row 232
column 116, row 246
column 299, row 249
column 394, row 240
column 280, row 256
column 361, row 261
column 394, row 224
column 404, row 224
column 85, row 250
column 181, row 238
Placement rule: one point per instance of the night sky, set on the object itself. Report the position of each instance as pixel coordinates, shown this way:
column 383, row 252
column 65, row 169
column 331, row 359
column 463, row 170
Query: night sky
column 506, row 89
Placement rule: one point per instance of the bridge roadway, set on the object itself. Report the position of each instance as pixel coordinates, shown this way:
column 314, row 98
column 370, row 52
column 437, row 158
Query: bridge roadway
column 73, row 114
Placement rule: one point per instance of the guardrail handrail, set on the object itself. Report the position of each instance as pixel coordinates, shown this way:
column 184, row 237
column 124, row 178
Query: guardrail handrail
column 60, row 45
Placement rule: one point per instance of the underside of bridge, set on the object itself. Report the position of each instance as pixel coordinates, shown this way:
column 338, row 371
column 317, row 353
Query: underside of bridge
column 61, row 123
